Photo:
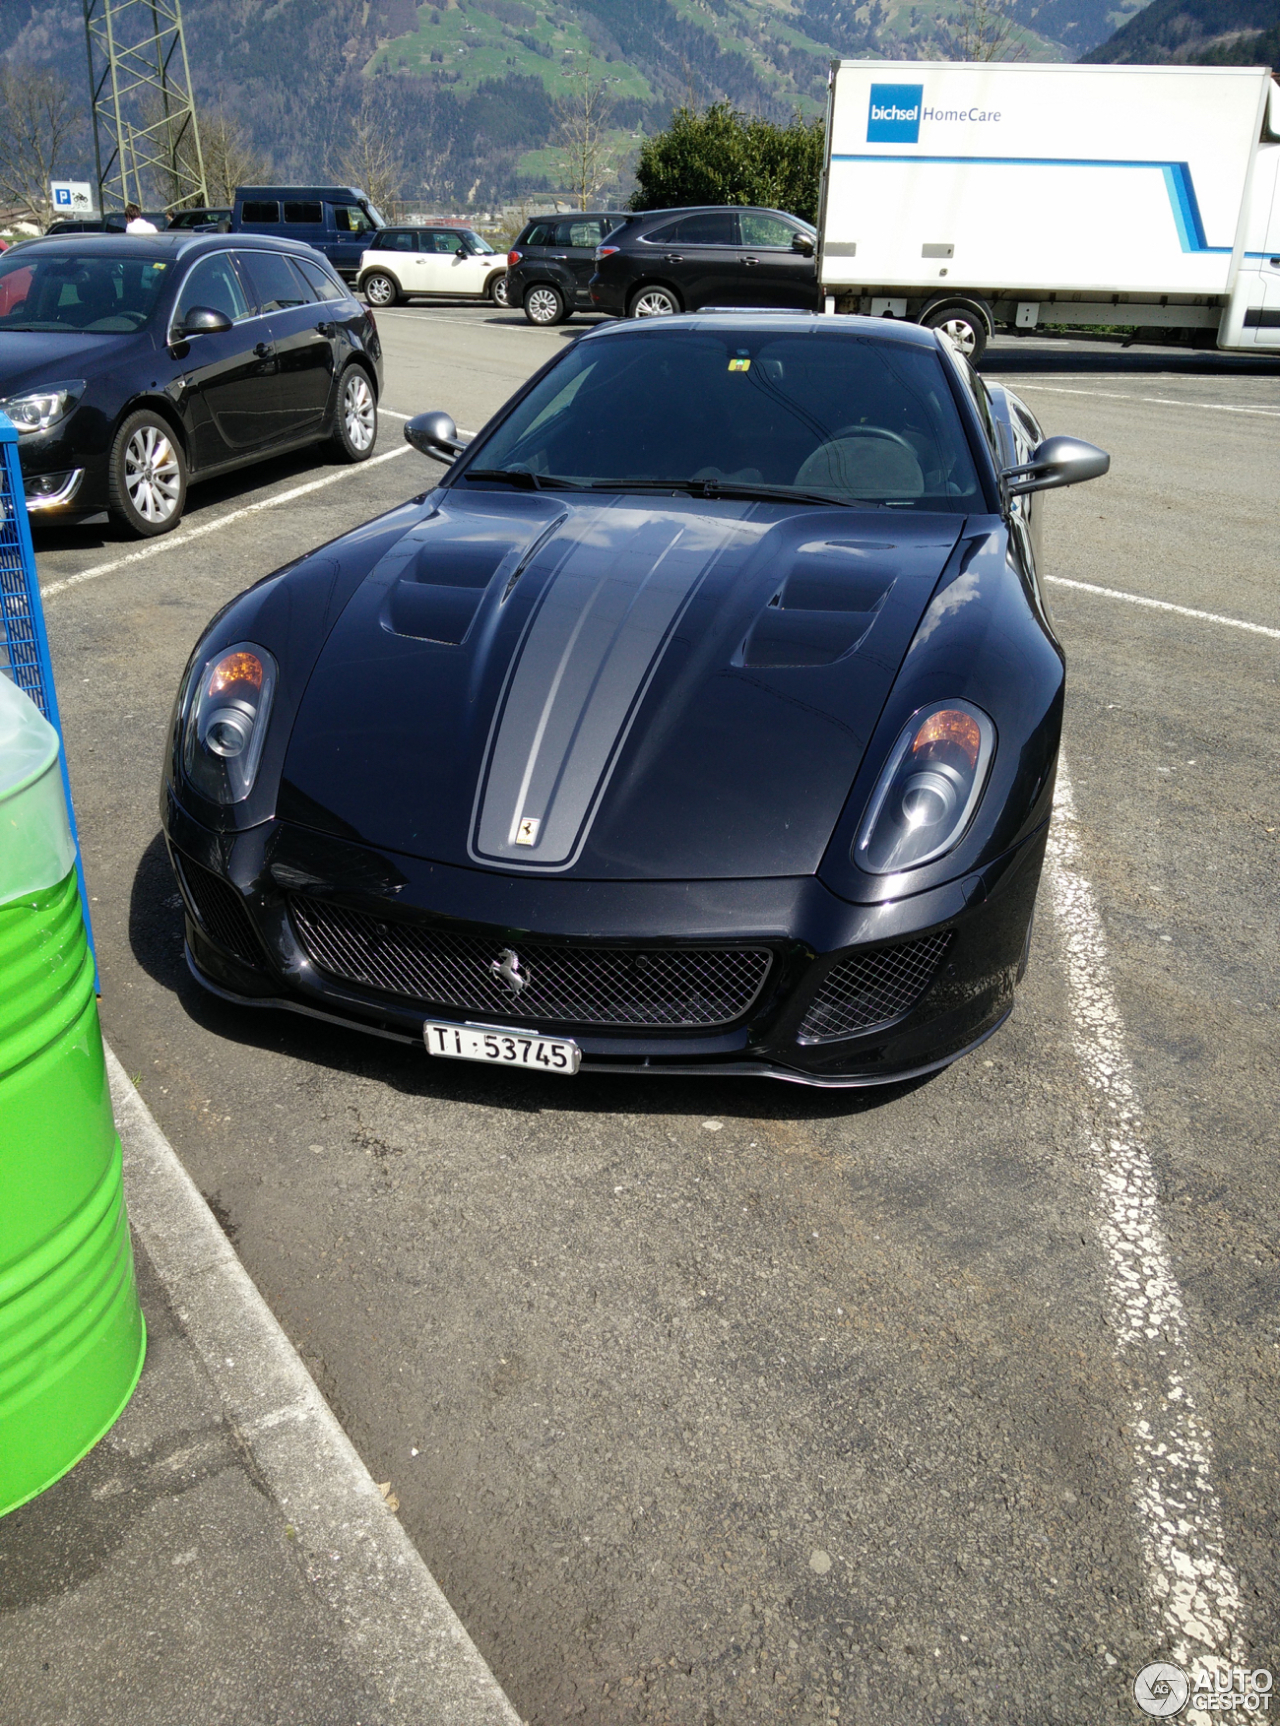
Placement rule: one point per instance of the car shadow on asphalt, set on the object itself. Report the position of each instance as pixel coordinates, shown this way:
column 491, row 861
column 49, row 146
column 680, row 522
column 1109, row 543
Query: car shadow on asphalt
column 246, row 485
column 1114, row 359
column 156, row 937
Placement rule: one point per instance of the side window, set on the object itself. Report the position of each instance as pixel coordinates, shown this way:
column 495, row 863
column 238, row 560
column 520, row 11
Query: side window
column 664, row 236
column 580, row 234
column 440, row 240
column 322, row 283
column 398, row 240
column 351, row 219
column 214, row 283
column 541, row 234
column 260, row 212
column 715, row 228
column 770, row 232
column 307, row 214
column 277, row 285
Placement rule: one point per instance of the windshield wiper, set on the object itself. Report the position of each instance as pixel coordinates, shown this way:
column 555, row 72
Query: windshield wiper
column 740, row 488
column 525, row 477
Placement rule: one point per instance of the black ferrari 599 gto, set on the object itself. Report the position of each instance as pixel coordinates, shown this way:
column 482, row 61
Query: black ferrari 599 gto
column 702, row 718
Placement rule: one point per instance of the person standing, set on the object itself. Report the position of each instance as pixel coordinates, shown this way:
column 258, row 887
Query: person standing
column 136, row 223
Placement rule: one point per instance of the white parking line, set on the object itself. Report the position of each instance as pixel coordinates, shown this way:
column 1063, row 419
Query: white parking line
column 1019, row 384
column 1164, row 605
column 175, row 541
column 1179, row 1516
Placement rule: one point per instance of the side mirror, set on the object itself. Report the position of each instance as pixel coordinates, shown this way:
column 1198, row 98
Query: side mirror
column 434, row 434
column 461, row 252
column 203, row 321
column 803, row 244
column 1057, row 461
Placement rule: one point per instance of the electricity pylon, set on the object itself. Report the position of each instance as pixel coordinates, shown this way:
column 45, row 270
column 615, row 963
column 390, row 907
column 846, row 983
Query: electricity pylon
column 144, row 118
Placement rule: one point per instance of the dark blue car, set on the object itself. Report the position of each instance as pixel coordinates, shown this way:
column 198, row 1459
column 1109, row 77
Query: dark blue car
column 702, row 719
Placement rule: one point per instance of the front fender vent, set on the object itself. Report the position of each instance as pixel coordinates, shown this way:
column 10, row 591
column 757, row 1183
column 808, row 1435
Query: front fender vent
column 869, row 989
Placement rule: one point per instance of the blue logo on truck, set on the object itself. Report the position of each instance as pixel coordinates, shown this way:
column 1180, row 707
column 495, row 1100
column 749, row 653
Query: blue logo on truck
column 894, row 115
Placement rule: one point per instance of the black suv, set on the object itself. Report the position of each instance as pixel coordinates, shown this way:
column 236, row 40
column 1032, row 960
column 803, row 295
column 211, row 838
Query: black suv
column 664, row 261
column 550, row 263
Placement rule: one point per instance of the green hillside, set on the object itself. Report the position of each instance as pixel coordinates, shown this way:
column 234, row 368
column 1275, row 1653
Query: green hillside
column 468, row 90
column 1197, row 32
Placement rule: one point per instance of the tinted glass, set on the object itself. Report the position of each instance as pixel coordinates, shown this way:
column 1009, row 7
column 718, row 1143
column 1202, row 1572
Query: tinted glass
column 581, row 233
column 322, row 283
column 311, row 214
column 104, row 296
column 277, row 285
column 398, row 240
column 540, row 234
column 767, row 231
column 213, row 282
column 855, row 419
column 714, row 228
column 260, row 212
column 350, row 219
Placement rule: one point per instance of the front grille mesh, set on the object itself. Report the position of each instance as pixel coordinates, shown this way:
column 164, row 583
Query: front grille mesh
column 220, row 910
column 672, row 986
column 869, row 988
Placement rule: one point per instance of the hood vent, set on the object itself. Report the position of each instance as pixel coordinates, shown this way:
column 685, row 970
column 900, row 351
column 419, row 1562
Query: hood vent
column 822, row 611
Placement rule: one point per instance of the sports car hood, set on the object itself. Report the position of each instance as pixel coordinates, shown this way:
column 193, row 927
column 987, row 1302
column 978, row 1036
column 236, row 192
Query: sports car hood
column 654, row 689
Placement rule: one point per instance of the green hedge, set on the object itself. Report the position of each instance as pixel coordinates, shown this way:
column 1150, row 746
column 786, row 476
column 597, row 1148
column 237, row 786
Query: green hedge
column 719, row 156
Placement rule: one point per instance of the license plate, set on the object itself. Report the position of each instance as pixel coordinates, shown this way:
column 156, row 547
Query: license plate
column 501, row 1047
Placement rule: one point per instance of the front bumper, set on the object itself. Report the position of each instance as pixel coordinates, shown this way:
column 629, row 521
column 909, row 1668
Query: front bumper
column 966, row 941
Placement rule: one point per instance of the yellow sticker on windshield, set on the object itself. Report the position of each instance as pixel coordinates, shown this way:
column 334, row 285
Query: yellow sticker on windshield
column 739, row 365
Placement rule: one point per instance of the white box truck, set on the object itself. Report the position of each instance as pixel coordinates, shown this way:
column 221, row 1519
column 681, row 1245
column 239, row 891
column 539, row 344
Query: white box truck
column 965, row 195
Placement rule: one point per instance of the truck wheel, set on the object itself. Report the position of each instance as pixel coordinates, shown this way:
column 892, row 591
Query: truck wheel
column 964, row 325
column 380, row 290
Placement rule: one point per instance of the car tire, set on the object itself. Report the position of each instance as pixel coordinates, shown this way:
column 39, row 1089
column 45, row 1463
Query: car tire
column 544, row 305
column 654, row 302
column 963, row 324
column 381, row 290
column 147, row 475
column 355, row 418
column 499, row 289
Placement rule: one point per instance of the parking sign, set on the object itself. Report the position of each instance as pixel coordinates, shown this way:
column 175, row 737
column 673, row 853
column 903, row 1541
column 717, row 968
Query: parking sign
column 72, row 197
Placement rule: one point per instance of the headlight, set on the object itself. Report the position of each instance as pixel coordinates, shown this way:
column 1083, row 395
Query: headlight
column 929, row 789
column 37, row 410
column 226, row 723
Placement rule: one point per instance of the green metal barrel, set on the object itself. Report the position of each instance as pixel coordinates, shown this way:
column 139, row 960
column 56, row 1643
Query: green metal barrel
column 72, row 1337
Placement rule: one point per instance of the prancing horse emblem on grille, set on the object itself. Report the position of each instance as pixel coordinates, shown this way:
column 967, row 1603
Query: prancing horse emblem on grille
column 506, row 968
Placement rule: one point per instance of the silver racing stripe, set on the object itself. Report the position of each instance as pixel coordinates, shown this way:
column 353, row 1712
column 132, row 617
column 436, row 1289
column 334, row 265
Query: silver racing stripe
column 625, row 575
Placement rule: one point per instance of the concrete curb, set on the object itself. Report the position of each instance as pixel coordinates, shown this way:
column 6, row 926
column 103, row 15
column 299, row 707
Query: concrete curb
column 398, row 1626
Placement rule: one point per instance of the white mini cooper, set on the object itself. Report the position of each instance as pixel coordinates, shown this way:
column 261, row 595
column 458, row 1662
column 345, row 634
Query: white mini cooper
column 431, row 263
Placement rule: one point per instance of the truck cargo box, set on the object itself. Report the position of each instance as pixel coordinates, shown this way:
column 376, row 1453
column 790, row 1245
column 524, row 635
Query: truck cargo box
column 1039, row 178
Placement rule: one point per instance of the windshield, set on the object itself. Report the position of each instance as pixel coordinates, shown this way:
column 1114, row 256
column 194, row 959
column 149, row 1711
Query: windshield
column 815, row 413
column 474, row 241
column 97, row 295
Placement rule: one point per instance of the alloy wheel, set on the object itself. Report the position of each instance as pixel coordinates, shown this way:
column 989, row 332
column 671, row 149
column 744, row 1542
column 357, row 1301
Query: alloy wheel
column 379, row 291
column 961, row 334
column 654, row 303
column 359, row 412
column 152, row 475
column 542, row 305
column 501, row 292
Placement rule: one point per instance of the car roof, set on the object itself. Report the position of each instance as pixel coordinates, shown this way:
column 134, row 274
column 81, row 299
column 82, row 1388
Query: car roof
column 709, row 209
column 297, row 192
column 780, row 321
column 171, row 243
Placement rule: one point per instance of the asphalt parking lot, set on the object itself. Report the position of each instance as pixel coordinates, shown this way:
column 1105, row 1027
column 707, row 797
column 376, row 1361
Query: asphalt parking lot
column 738, row 1402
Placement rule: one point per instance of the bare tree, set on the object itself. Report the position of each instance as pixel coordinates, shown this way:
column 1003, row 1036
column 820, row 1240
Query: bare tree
column 230, row 159
column 41, row 124
column 585, row 154
column 371, row 160
column 980, row 31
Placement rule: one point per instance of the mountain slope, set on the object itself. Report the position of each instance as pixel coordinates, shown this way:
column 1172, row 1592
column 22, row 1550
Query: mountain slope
column 1198, row 32
column 468, row 88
